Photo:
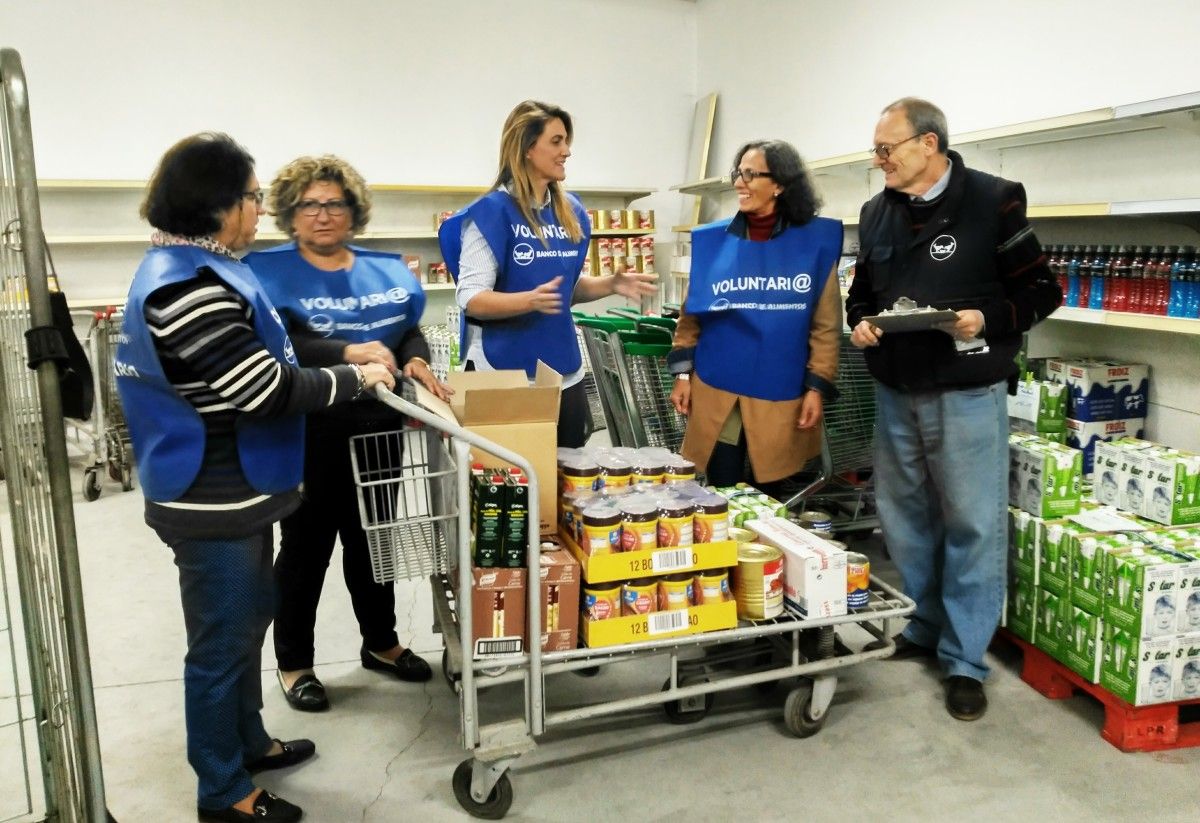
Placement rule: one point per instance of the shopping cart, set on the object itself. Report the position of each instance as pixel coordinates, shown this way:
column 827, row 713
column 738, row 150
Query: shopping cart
column 111, row 447
column 595, row 404
column 413, row 499
column 841, row 483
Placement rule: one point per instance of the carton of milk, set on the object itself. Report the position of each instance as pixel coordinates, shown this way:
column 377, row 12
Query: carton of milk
column 1139, row 671
column 1081, row 644
column 1141, row 590
column 814, row 570
column 1172, row 487
column 1101, row 389
column 1040, row 404
column 1024, row 546
column 1051, row 477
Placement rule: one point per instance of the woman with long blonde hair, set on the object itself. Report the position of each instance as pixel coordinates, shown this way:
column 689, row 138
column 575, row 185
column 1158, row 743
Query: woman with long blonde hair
column 517, row 253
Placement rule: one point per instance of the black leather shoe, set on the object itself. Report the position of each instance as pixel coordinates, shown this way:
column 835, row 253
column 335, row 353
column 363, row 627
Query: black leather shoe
column 267, row 807
column 307, row 694
column 407, row 666
column 294, row 751
column 905, row 649
column 965, row 699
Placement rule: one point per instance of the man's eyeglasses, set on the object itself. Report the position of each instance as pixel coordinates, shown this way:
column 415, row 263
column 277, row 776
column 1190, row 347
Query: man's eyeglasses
column 749, row 175
column 334, row 208
column 256, row 196
column 884, row 150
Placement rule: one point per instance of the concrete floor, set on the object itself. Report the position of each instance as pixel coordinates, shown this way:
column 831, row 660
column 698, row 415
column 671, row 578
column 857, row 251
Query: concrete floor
column 386, row 750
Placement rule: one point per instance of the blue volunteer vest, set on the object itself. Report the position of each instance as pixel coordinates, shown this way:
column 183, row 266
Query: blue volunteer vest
column 524, row 264
column 377, row 299
column 168, row 433
column 754, row 301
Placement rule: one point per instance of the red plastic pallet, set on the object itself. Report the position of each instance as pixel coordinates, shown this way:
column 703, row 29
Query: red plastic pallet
column 1129, row 728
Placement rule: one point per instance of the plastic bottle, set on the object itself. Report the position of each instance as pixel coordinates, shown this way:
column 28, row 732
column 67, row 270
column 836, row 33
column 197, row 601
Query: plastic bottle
column 1071, row 260
column 1057, row 266
column 1117, row 295
column 1098, row 271
column 1162, row 279
column 1085, row 279
column 1191, row 306
column 1137, row 271
column 1180, row 268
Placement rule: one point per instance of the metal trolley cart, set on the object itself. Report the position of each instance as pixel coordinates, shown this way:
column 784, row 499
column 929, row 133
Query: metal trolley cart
column 415, row 511
column 111, row 450
column 837, row 484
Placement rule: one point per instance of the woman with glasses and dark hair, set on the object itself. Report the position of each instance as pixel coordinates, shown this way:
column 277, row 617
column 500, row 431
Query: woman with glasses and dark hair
column 756, row 347
column 516, row 254
column 215, row 401
column 340, row 304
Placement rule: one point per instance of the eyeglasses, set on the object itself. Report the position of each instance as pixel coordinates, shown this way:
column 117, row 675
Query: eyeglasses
column 334, row 208
column 884, row 150
column 749, row 175
column 256, row 196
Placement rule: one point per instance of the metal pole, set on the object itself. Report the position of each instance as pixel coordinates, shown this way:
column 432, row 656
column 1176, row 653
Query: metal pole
column 82, row 707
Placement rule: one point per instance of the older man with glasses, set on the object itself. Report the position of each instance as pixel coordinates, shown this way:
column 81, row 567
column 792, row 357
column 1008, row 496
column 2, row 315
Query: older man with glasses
column 950, row 237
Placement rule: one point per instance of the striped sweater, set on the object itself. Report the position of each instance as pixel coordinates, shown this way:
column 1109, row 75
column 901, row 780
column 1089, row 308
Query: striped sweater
column 209, row 352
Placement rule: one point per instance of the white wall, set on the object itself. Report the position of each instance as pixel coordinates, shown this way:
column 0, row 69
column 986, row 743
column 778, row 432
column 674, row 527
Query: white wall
column 410, row 92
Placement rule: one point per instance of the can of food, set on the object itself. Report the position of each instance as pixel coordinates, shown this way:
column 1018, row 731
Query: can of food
column 601, row 528
column 710, row 523
column 711, row 587
column 579, row 473
column 741, row 535
column 601, row 219
column 616, row 219
column 816, row 520
column 674, row 522
column 675, row 592
column 858, row 578
column 680, row 470
column 614, row 472
column 602, row 601
column 647, row 258
column 639, row 596
column 648, row 471
column 643, row 219
column 758, row 581
column 593, row 218
column 639, row 524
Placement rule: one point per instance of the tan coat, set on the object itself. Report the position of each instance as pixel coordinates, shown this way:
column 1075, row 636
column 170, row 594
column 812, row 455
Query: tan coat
column 776, row 447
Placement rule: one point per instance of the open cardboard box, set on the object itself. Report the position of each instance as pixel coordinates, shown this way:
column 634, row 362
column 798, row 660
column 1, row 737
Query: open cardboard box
column 503, row 407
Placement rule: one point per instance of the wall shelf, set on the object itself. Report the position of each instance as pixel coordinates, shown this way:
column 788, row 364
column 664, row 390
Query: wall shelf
column 1127, row 320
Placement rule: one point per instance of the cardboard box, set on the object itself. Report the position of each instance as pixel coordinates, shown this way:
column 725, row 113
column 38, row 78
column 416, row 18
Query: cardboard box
column 1051, row 619
column 1172, row 491
column 561, row 577
column 1022, row 609
column 1047, row 479
column 1101, row 389
column 1141, row 590
column 814, row 573
column 1186, row 671
column 1082, row 643
column 1055, row 557
column 635, row 628
column 504, row 408
column 1084, row 435
column 497, row 611
column 1024, row 545
column 1138, row 671
column 1039, row 403
column 606, row 568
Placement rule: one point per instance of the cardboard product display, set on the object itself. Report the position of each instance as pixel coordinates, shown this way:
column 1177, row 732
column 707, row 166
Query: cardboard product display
column 504, row 408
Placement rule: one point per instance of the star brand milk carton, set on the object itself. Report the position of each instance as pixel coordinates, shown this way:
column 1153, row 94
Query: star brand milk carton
column 1172, row 491
column 1138, row 671
column 1081, row 644
column 1141, row 590
column 1186, row 671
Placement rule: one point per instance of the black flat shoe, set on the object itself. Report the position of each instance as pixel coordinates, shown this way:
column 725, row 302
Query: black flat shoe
column 965, row 699
column 294, row 751
column 267, row 807
column 406, row 667
column 307, row 694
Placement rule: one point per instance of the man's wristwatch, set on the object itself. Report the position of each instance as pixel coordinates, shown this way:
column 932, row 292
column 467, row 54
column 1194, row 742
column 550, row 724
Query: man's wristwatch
column 684, row 376
column 362, row 380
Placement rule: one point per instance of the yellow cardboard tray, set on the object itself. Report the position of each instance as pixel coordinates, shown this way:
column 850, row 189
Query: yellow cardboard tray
column 657, row 625
column 606, row 568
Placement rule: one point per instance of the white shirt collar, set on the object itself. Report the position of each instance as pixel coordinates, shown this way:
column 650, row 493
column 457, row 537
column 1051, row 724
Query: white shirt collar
column 935, row 191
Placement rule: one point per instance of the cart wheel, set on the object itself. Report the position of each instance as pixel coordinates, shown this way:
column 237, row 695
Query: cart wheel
column 590, row 671
column 451, row 678
column 689, row 710
column 126, row 478
column 91, row 485
column 797, row 713
column 495, row 807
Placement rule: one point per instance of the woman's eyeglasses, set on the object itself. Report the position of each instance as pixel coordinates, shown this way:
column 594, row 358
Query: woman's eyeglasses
column 749, row 175
column 334, row 208
column 256, row 196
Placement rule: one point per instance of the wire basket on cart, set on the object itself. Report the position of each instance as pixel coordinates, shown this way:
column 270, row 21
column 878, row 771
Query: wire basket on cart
column 590, row 387
column 110, row 428
column 841, row 483
column 413, row 487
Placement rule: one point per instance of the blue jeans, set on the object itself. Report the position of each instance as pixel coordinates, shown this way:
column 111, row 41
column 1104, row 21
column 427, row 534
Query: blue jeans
column 228, row 601
column 941, row 477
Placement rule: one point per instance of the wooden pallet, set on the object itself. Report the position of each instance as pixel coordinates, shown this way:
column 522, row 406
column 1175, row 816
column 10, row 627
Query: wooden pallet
column 1129, row 728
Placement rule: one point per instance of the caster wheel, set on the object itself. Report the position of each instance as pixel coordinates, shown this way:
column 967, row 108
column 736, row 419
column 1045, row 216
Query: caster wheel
column 690, row 710
column 497, row 803
column 590, row 671
column 91, row 485
column 126, row 478
column 114, row 471
column 797, row 713
column 451, row 678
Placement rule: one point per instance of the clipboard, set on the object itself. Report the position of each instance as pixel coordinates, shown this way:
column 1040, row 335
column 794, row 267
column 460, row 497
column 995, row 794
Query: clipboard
column 912, row 321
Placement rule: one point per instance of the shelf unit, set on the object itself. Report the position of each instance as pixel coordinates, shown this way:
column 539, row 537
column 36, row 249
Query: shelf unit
column 97, row 240
column 1128, row 320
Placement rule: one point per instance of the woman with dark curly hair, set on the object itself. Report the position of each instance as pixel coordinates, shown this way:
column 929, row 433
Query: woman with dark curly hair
column 755, row 351
column 341, row 304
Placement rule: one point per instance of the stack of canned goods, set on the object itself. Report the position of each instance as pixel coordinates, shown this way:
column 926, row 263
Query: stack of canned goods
column 621, row 218
column 602, row 601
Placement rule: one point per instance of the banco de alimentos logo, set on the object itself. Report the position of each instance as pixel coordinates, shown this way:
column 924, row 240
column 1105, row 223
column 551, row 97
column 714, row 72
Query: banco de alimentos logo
column 942, row 247
column 522, row 254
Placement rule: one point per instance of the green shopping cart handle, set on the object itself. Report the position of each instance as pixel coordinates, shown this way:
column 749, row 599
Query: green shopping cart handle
column 643, row 344
column 605, row 323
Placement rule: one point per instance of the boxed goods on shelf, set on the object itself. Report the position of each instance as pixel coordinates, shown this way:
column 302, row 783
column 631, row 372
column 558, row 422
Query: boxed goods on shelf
column 1045, row 478
column 1101, row 389
column 1155, row 482
column 1086, row 436
column 1040, row 405
column 1142, row 586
